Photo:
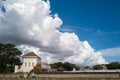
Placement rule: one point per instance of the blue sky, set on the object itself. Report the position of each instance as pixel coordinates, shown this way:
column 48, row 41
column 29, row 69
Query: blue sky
column 97, row 21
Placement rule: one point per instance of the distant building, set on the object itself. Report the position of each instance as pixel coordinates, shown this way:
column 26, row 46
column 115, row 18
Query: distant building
column 104, row 67
column 85, row 68
column 82, row 68
column 45, row 66
column 29, row 61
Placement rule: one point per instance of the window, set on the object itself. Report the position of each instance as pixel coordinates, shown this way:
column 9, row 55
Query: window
column 29, row 63
column 25, row 64
column 32, row 64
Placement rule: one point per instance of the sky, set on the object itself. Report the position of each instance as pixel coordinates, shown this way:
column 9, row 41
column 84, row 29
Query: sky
column 81, row 32
column 97, row 21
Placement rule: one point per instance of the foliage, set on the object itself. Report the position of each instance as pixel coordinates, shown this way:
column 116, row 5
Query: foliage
column 37, row 68
column 114, row 65
column 64, row 66
column 56, row 65
column 68, row 66
column 9, row 57
column 87, row 67
column 97, row 67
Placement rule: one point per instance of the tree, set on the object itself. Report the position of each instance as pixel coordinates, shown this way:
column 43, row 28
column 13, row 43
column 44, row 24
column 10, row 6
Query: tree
column 56, row 65
column 9, row 57
column 114, row 65
column 64, row 66
column 87, row 67
column 37, row 68
column 97, row 67
column 68, row 66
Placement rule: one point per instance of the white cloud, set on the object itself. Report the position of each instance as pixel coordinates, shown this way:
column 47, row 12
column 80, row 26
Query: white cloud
column 102, row 33
column 29, row 24
column 69, row 28
column 111, row 52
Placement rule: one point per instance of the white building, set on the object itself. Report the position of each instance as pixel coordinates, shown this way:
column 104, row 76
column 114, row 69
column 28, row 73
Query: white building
column 45, row 66
column 29, row 61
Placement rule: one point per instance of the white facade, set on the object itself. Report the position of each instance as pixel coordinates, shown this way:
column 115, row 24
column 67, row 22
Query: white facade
column 29, row 61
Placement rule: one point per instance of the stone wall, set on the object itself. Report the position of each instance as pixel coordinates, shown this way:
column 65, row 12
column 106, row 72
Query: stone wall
column 114, row 76
column 59, row 78
column 10, row 75
column 79, row 75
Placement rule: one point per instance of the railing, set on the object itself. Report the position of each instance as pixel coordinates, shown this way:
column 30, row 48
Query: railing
column 110, row 71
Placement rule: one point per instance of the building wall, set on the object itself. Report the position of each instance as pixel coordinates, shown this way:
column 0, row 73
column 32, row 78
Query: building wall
column 38, row 61
column 18, row 69
column 28, row 64
column 47, row 67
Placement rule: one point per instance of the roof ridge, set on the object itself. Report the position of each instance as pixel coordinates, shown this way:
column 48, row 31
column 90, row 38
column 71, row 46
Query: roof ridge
column 31, row 54
column 46, row 63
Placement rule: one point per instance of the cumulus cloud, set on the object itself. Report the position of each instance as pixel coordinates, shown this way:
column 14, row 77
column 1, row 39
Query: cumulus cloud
column 31, row 26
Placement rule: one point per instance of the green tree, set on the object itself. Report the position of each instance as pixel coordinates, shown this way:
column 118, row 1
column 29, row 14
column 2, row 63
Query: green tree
column 87, row 67
column 64, row 66
column 114, row 65
column 97, row 67
column 68, row 66
column 56, row 65
column 9, row 56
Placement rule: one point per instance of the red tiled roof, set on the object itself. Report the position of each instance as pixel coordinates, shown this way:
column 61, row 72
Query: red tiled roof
column 30, row 54
column 45, row 63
